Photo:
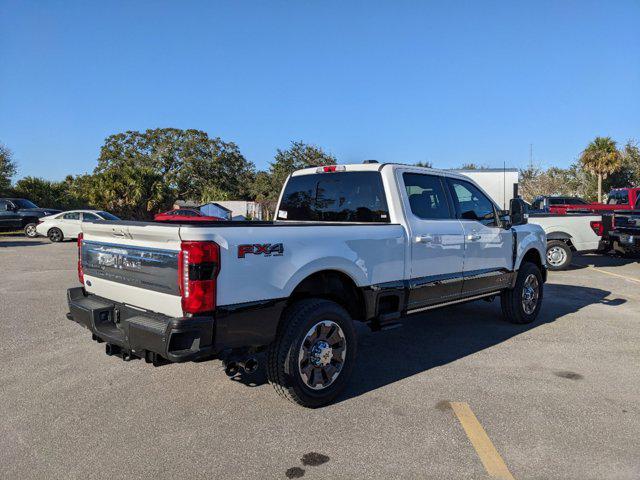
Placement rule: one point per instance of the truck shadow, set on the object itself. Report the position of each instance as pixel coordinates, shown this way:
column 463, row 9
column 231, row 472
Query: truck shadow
column 443, row 336
column 22, row 243
column 583, row 261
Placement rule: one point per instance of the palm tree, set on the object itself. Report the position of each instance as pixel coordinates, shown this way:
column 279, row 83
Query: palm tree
column 601, row 157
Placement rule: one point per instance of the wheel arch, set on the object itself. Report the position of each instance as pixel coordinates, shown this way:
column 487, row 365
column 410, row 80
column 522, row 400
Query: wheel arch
column 334, row 285
column 563, row 237
column 534, row 256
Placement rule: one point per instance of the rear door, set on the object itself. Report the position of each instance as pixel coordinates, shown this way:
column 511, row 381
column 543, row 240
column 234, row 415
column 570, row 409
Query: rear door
column 436, row 242
column 488, row 246
column 70, row 224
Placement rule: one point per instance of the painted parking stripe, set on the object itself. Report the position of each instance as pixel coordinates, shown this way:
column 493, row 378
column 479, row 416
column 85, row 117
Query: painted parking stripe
column 491, row 459
column 631, row 279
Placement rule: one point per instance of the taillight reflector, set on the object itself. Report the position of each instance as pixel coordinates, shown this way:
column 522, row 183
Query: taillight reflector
column 198, row 267
column 80, row 270
column 597, row 227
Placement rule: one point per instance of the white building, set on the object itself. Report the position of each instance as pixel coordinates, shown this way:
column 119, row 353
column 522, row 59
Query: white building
column 500, row 184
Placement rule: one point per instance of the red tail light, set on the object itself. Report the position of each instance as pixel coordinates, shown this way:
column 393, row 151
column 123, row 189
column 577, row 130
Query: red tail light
column 80, row 270
column 597, row 227
column 198, row 267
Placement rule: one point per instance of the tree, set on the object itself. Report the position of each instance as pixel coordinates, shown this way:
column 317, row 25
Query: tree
column 139, row 173
column 601, row 158
column 299, row 155
column 426, row 164
column 472, row 166
column 7, row 168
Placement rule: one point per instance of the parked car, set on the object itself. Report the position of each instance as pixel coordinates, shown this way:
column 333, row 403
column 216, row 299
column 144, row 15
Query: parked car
column 20, row 213
column 625, row 236
column 370, row 243
column 618, row 199
column 67, row 225
column 543, row 203
column 568, row 234
column 185, row 214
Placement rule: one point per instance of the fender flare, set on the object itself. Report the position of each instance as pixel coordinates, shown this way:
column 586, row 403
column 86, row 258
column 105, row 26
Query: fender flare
column 558, row 236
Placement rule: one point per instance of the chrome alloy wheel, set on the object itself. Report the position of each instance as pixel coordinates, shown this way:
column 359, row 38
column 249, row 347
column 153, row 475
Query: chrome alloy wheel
column 322, row 354
column 30, row 231
column 556, row 256
column 530, row 294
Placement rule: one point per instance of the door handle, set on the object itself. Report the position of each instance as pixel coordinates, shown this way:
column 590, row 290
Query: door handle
column 474, row 237
column 424, row 239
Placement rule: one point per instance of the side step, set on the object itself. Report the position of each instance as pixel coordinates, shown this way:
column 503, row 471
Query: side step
column 387, row 321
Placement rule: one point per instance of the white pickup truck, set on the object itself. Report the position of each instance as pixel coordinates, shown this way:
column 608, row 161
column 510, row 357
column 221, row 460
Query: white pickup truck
column 569, row 233
column 370, row 242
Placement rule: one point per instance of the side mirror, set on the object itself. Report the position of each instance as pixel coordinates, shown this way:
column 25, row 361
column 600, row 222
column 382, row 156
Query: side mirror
column 518, row 212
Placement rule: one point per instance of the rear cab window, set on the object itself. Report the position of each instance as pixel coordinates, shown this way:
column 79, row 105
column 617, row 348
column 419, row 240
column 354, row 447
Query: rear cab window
column 335, row 197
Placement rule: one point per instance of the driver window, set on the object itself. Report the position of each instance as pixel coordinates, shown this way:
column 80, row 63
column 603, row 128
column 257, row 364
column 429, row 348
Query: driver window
column 471, row 203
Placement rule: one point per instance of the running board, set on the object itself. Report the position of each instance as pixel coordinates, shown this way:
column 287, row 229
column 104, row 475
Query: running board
column 453, row 302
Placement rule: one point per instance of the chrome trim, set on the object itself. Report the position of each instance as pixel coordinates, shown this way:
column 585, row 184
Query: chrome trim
column 453, row 302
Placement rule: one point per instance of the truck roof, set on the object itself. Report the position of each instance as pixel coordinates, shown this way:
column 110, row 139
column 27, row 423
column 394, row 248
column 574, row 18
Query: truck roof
column 376, row 167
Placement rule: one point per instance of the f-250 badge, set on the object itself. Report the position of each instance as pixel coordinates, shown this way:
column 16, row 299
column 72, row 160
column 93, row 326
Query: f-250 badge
column 266, row 249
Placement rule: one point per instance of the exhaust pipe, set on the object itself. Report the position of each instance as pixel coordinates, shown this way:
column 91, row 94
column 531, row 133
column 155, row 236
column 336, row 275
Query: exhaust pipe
column 250, row 365
column 231, row 369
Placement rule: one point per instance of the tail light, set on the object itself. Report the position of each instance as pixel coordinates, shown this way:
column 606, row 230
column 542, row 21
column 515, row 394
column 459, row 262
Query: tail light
column 198, row 267
column 80, row 270
column 597, row 227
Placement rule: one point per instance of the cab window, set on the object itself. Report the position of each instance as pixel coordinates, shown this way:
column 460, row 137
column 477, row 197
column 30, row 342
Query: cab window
column 72, row 216
column 335, row 197
column 471, row 203
column 427, row 198
column 89, row 216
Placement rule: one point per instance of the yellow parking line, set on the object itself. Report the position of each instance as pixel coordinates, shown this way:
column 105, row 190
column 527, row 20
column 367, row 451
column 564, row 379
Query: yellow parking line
column 491, row 459
column 631, row 279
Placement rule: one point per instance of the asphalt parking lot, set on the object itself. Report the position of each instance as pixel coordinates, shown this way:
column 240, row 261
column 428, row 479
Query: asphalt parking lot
column 455, row 393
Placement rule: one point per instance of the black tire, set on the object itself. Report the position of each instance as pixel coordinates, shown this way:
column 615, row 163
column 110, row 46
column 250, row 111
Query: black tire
column 30, row 230
column 283, row 364
column 564, row 257
column 513, row 308
column 55, row 235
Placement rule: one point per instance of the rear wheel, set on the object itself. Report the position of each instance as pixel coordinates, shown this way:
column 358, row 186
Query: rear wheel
column 559, row 255
column 522, row 303
column 310, row 361
column 55, row 235
column 30, row 230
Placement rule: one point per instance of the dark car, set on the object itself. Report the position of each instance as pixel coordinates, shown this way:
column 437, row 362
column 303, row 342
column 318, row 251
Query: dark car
column 21, row 213
column 542, row 203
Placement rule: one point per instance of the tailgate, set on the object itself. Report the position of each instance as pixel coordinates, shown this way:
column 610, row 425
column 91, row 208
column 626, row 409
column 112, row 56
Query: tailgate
column 133, row 263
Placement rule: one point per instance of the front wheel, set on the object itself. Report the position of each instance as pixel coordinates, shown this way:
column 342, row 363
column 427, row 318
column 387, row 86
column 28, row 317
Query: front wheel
column 522, row 303
column 30, row 230
column 310, row 361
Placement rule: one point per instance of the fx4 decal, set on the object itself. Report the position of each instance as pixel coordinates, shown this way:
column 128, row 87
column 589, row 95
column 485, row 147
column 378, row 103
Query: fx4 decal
column 266, row 249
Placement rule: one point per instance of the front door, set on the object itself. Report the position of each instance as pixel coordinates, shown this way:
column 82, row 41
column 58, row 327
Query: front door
column 8, row 217
column 488, row 257
column 437, row 240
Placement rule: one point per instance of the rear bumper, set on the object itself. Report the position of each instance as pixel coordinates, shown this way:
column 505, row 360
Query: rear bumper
column 625, row 241
column 142, row 334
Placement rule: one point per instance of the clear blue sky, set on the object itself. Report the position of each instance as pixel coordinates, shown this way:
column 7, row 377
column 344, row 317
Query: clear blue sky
column 407, row 81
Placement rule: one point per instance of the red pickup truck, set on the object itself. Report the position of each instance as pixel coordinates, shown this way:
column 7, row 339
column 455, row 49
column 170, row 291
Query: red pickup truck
column 619, row 199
